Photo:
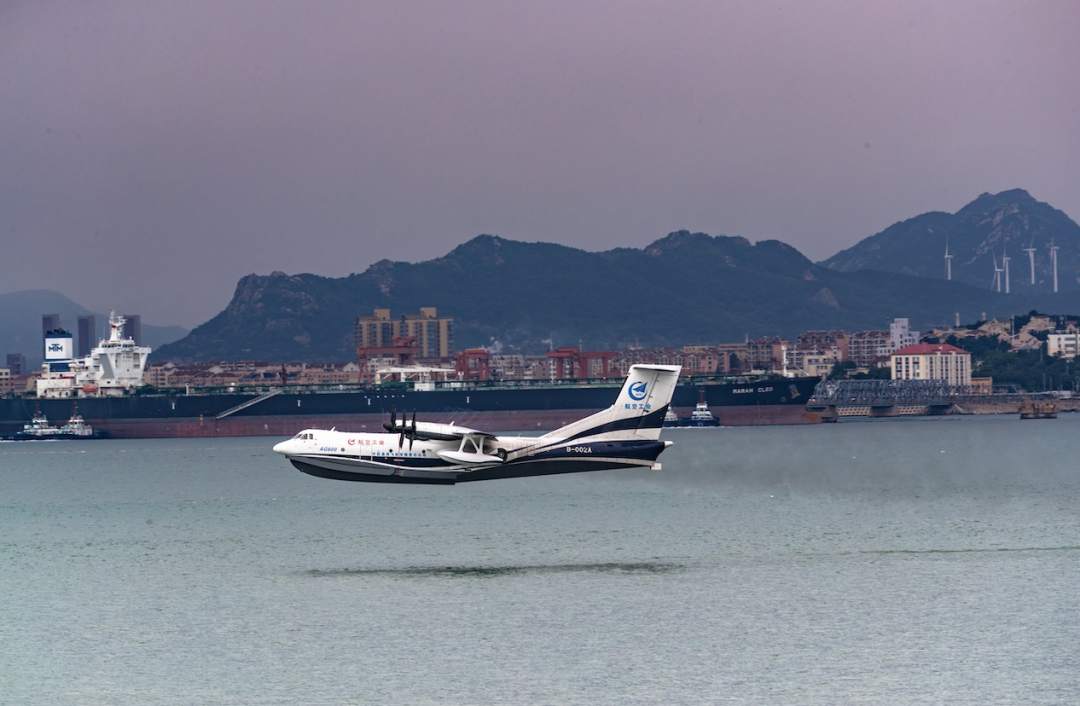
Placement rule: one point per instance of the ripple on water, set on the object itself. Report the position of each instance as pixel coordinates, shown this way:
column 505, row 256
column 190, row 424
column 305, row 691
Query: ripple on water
column 619, row 567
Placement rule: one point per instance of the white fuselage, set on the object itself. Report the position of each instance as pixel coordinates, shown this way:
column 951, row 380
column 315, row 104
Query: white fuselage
column 380, row 458
column 382, row 449
column 626, row 435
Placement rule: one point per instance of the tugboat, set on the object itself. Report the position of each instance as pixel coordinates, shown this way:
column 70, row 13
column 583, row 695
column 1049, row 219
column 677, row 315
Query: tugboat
column 1033, row 409
column 77, row 428
column 39, row 429
column 702, row 416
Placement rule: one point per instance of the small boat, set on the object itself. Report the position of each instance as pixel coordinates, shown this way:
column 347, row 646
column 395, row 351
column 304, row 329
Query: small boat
column 1034, row 409
column 77, row 428
column 702, row 416
column 39, row 429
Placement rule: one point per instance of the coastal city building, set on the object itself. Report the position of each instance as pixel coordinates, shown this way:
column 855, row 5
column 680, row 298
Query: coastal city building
column 393, row 348
column 838, row 341
column 5, row 381
column 16, row 363
column 87, row 333
column 766, row 353
column 696, row 360
column 1019, row 333
column 811, row 363
column 160, row 375
column 718, row 359
column 473, row 364
column 481, row 364
column 1063, row 345
column 868, row 348
column 430, row 334
column 49, row 322
column 570, row 363
column 328, row 374
column 250, row 374
column 900, row 335
column 932, row 361
column 734, row 358
column 133, row 328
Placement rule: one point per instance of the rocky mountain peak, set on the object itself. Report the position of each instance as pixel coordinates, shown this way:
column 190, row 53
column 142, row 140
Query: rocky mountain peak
column 979, row 235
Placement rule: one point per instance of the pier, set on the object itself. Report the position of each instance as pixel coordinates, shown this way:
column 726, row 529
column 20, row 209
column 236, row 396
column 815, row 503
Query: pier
column 894, row 398
column 887, row 398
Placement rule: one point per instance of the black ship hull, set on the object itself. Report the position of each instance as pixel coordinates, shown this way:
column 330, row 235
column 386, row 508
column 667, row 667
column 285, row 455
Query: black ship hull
column 698, row 423
column 22, row 436
column 211, row 414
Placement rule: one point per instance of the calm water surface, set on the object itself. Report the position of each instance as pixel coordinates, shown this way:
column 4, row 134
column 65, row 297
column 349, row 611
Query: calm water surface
column 890, row 562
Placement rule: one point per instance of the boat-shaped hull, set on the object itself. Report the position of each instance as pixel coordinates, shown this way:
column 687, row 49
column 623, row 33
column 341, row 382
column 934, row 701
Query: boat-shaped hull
column 638, row 454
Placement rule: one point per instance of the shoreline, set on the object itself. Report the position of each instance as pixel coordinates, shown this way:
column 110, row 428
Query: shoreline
column 531, row 420
column 522, row 420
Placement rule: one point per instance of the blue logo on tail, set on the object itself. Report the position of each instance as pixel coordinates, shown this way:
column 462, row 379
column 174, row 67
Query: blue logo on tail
column 637, row 391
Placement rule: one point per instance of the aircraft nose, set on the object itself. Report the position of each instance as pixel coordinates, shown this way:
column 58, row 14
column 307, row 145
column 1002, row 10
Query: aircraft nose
column 281, row 447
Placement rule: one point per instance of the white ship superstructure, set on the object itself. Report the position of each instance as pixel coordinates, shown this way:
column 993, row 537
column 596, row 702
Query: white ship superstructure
column 114, row 367
column 702, row 416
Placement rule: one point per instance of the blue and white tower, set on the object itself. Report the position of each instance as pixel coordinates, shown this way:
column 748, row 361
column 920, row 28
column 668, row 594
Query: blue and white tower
column 59, row 350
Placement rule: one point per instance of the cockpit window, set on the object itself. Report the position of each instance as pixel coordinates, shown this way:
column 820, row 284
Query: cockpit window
column 304, row 435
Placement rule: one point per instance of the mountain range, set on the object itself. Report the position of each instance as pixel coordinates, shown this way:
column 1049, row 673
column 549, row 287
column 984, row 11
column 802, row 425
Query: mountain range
column 979, row 237
column 20, row 322
column 685, row 287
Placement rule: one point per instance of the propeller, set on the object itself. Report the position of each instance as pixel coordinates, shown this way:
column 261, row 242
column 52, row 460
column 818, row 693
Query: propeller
column 404, row 428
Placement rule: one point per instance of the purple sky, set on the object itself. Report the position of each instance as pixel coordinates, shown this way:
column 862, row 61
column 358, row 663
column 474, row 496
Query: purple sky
column 152, row 152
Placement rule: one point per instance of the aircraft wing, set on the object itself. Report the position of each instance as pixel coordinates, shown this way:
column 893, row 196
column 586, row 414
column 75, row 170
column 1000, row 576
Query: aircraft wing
column 433, row 431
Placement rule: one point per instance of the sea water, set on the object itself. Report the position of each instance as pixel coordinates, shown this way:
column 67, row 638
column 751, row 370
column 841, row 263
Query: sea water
column 885, row 562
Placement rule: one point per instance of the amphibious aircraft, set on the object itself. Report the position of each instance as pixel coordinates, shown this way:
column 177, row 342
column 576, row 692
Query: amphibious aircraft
column 625, row 435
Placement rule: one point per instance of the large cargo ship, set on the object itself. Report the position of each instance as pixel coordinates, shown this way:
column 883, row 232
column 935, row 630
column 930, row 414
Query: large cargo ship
column 502, row 406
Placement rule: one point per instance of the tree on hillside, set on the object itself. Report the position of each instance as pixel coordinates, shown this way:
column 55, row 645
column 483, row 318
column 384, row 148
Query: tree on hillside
column 1030, row 370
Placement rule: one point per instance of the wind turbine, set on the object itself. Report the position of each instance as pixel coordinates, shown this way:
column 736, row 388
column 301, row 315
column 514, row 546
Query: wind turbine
column 1053, row 263
column 1030, row 250
column 997, row 274
column 948, row 263
column 1005, row 263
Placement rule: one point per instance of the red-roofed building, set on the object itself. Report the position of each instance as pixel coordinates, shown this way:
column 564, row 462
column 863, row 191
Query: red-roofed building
column 932, row 361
